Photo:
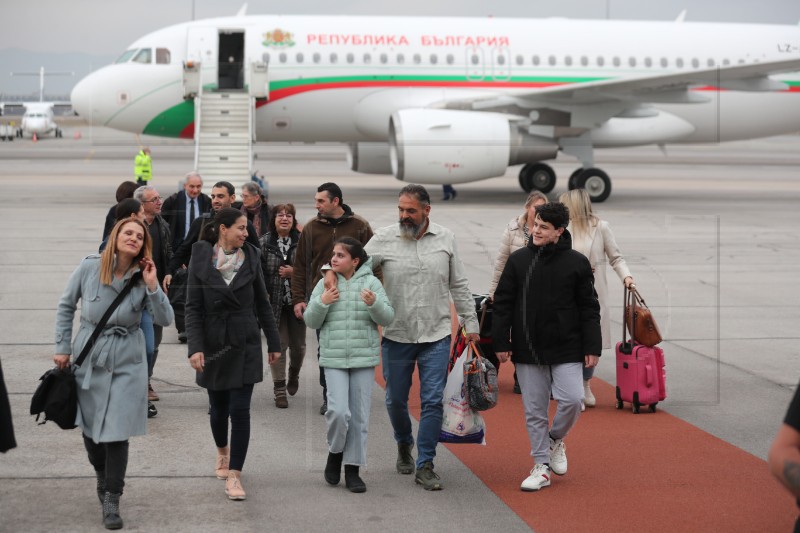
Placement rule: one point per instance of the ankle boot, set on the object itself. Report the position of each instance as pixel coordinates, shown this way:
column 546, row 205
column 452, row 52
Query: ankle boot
column 281, row 402
column 101, row 485
column 233, row 486
column 333, row 469
column 294, row 381
column 111, row 517
column 352, row 480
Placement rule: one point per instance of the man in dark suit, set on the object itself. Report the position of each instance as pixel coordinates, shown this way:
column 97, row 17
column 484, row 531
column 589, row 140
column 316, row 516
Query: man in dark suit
column 180, row 209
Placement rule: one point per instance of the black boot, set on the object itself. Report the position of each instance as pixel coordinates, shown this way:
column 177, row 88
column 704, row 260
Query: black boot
column 333, row 469
column 101, row 485
column 111, row 518
column 352, row 480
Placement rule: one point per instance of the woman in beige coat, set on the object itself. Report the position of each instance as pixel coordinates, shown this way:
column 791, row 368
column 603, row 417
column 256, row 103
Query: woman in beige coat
column 515, row 236
column 593, row 238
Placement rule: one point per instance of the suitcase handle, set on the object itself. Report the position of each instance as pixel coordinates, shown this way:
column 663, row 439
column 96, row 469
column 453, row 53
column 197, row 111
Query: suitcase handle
column 649, row 374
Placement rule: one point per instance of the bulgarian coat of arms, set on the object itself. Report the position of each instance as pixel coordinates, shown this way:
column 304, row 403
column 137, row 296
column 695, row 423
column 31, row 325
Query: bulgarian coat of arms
column 278, row 38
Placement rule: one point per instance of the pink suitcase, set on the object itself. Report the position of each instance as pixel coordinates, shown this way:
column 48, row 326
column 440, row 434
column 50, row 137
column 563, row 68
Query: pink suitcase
column 641, row 376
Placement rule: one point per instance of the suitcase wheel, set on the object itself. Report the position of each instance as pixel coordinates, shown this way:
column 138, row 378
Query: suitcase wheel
column 636, row 403
column 619, row 404
column 653, row 407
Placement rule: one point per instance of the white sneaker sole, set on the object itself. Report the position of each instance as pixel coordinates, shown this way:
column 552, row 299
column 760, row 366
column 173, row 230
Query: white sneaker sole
column 523, row 488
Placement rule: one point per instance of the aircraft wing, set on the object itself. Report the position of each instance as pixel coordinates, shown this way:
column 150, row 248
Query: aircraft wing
column 661, row 88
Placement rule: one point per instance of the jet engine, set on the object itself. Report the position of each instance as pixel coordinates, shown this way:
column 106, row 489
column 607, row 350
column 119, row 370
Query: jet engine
column 438, row 146
column 369, row 158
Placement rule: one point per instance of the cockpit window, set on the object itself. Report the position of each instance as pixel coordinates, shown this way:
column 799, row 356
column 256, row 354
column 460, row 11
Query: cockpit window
column 162, row 56
column 126, row 55
column 144, row 56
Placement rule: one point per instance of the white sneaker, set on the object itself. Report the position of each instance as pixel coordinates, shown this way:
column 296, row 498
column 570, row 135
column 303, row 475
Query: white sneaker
column 588, row 397
column 539, row 478
column 558, row 457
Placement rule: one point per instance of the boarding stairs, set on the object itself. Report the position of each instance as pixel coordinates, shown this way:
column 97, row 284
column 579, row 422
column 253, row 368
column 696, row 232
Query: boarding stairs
column 224, row 136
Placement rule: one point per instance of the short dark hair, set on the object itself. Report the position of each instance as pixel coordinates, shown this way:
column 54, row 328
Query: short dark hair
column 126, row 208
column 289, row 208
column 125, row 190
column 554, row 213
column 227, row 185
column 354, row 248
column 417, row 191
column 333, row 190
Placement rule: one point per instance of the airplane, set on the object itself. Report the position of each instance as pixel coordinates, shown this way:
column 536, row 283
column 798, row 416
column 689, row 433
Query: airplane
column 454, row 100
column 37, row 117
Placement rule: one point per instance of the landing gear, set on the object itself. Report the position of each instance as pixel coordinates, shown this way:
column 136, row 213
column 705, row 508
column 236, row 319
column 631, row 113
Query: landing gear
column 538, row 177
column 59, row 133
column 595, row 181
column 573, row 179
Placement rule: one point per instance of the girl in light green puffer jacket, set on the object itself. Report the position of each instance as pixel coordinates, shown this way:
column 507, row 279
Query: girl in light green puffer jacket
column 348, row 316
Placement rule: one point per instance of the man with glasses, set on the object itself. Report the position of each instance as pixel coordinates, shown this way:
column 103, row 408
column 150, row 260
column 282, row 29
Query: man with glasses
column 162, row 253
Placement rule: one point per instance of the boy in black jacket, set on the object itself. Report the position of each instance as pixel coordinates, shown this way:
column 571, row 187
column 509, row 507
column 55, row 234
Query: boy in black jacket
column 547, row 319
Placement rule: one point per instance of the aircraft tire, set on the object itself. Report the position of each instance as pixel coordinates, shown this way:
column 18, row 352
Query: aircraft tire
column 538, row 177
column 573, row 179
column 596, row 182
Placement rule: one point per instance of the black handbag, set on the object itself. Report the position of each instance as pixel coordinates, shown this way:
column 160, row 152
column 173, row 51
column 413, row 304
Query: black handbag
column 480, row 377
column 57, row 394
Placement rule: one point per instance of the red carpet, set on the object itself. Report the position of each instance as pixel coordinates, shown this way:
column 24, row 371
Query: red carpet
column 647, row 472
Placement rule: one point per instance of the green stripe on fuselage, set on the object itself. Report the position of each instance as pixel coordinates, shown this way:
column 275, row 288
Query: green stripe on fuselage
column 275, row 85
column 173, row 121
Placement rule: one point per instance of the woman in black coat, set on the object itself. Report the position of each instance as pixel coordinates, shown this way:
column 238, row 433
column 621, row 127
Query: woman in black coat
column 226, row 306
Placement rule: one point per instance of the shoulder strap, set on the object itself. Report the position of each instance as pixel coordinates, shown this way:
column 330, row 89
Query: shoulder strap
column 100, row 325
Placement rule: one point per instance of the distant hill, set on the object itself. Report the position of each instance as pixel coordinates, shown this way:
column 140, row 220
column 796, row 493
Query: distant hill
column 55, row 87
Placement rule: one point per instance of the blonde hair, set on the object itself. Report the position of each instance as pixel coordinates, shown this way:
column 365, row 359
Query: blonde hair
column 580, row 210
column 533, row 196
column 110, row 252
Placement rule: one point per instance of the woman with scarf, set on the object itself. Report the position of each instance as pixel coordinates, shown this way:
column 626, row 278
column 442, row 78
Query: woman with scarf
column 226, row 309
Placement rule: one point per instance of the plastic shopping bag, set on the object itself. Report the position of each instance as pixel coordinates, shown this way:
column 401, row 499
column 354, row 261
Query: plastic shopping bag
column 460, row 424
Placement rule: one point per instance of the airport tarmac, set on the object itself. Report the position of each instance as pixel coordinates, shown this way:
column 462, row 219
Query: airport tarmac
column 709, row 233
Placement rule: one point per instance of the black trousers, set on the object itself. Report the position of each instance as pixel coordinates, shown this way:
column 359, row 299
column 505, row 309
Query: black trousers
column 233, row 404
column 110, row 458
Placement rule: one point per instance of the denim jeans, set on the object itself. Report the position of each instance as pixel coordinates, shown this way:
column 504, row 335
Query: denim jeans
column 149, row 338
column 398, row 368
column 349, row 401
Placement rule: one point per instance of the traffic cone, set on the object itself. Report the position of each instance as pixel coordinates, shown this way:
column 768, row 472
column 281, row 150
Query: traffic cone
column 77, row 135
column 34, row 138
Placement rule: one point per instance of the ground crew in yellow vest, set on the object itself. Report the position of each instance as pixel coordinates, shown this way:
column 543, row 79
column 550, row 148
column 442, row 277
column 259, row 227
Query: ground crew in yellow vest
column 143, row 166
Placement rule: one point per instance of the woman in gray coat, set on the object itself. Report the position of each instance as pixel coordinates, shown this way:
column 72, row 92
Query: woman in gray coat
column 226, row 310
column 112, row 382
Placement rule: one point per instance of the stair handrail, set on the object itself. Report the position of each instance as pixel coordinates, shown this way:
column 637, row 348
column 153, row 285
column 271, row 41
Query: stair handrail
column 252, row 134
column 198, row 106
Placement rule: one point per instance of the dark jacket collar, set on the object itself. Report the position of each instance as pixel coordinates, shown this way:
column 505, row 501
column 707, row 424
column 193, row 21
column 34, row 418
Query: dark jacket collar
column 348, row 213
column 563, row 243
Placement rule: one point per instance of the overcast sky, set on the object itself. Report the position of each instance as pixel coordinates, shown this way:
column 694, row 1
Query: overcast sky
column 104, row 27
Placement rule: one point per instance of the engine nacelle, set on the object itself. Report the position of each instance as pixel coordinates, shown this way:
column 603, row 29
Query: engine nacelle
column 660, row 128
column 369, row 158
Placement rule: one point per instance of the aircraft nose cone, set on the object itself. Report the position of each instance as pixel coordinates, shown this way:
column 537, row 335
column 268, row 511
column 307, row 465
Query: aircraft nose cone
column 81, row 98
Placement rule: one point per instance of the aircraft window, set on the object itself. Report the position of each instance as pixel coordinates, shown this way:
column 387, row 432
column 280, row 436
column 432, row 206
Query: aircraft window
column 536, row 60
column 451, row 59
column 616, row 61
column 367, row 59
column 601, row 61
column 316, row 57
column 434, row 59
column 126, row 55
column 726, row 62
column 664, row 62
column 584, row 61
column 334, row 58
column 282, row 57
column 520, row 60
column 711, row 63
column 695, row 62
column 384, row 58
column 501, row 59
column 679, row 63
column 162, row 56
column 568, row 61
column 401, row 59
column 265, row 57
column 551, row 60
column 648, row 62
column 741, row 61
column 144, row 56
column 632, row 61
column 417, row 59
column 350, row 58
column 299, row 57
column 474, row 59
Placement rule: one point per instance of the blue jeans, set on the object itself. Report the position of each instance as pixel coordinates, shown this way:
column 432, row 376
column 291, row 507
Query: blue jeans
column 398, row 368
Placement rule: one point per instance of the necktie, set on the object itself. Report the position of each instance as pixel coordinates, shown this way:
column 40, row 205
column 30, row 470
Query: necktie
column 192, row 212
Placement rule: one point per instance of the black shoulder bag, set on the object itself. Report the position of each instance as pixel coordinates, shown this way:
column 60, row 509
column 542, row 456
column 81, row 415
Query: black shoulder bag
column 57, row 394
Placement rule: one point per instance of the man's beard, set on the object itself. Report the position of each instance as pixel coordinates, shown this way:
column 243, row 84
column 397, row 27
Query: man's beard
column 409, row 230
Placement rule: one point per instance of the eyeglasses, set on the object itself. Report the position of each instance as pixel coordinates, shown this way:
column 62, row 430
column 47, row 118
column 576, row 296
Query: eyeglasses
column 156, row 200
column 284, row 215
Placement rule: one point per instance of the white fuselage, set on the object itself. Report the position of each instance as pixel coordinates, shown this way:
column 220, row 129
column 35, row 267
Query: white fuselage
column 341, row 78
column 38, row 120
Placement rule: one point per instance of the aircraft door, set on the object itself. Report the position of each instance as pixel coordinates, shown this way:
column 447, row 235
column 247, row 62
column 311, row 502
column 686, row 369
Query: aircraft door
column 201, row 47
column 501, row 64
column 231, row 59
column 475, row 64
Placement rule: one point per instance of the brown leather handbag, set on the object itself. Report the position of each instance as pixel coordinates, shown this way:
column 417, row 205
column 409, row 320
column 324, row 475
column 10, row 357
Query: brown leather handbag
column 641, row 324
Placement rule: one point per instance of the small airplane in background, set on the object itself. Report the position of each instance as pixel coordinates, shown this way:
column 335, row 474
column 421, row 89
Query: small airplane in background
column 453, row 100
column 37, row 117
